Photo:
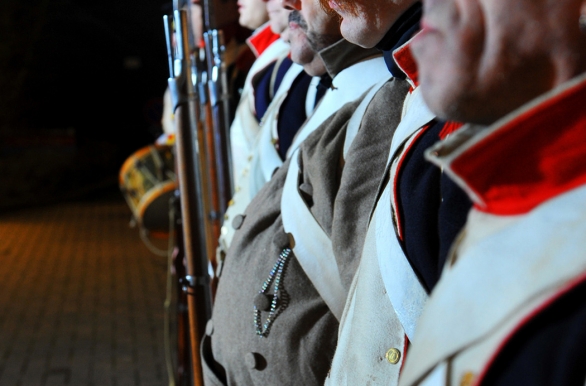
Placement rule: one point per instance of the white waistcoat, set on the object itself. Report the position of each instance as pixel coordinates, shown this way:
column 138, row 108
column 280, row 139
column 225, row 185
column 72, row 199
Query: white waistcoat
column 245, row 127
column 262, row 160
column 386, row 298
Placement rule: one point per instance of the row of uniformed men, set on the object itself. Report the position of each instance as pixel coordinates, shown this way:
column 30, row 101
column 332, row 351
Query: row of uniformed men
column 345, row 249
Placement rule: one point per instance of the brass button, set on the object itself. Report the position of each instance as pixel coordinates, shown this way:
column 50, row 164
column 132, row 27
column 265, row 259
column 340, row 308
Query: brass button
column 231, row 202
column 467, row 379
column 238, row 221
column 291, row 240
column 393, row 356
column 209, row 328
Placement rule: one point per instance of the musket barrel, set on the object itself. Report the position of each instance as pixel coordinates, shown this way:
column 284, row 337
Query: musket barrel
column 209, row 15
column 224, row 100
column 168, row 23
column 220, row 115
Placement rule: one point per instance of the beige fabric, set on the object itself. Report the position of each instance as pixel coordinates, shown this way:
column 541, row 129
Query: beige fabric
column 353, row 191
column 386, row 296
column 168, row 117
column 366, row 337
column 245, row 127
column 312, row 246
column 495, row 299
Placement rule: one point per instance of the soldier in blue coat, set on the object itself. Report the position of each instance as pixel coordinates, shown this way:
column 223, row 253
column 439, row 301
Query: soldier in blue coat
column 515, row 280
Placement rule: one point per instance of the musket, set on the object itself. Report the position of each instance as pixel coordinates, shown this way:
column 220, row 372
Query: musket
column 220, row 111
column 219, row 100
column 211, row 156
column 210, row 70
column 182, row 373
column 194, row 192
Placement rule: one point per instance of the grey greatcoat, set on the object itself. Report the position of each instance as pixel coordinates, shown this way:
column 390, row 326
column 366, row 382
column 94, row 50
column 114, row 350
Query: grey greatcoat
column 265, row 158
column 299, row 340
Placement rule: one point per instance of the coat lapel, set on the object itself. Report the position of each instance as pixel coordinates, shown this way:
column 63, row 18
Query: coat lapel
column 515, row 260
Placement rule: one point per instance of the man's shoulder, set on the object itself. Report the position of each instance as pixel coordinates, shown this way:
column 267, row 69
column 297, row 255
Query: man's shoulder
column 389, row 99
column 331, row 127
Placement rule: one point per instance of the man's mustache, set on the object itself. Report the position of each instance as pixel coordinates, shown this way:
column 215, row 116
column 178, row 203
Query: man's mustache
column 296, row 17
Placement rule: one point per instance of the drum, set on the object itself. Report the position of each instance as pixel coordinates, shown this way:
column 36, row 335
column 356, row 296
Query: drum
column 148, row 182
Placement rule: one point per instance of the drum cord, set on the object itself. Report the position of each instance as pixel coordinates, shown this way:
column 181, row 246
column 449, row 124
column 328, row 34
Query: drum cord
column 169, row 296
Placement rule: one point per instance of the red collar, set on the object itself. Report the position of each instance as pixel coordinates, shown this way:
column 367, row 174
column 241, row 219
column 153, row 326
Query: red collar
column 531, row 156
column 262, row 39
column 406, row 62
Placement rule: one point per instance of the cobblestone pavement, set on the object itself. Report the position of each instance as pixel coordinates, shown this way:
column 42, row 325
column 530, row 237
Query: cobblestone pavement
column 81, row 298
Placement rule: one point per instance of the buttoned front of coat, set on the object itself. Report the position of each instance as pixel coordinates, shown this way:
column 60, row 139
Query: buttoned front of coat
column 254, row 340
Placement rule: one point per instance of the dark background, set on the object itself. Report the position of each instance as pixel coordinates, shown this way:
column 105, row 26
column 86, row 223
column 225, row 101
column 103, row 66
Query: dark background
column 81, row 86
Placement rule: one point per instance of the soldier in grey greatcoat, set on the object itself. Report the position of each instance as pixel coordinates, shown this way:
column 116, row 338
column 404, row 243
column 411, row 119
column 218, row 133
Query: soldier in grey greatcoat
column 285, row 278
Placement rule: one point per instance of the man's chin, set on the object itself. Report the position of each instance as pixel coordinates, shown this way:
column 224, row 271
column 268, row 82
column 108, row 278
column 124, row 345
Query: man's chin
column 295, row 35
column 356, row 37
column 318, row 42
column 314, row 68
column 286, row 35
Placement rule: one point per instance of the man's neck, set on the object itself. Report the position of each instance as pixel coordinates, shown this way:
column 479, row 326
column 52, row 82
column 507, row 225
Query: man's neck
column 399, row 33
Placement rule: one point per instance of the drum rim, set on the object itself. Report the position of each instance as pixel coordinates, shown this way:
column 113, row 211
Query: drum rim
column 152, row 195
column 131, row 160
